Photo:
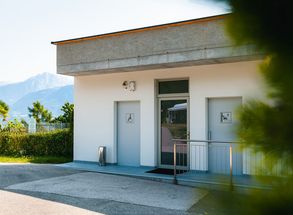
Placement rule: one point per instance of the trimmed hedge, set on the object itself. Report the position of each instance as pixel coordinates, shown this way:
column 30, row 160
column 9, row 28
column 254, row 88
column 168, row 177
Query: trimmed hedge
column 54, row 143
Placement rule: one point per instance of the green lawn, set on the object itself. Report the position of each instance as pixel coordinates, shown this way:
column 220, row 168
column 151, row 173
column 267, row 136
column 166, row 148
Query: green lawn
column 35, row 159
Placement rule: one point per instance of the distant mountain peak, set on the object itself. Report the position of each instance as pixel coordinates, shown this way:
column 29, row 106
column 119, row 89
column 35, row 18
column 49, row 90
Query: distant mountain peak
column 49, row 78
column 52, row 99
column 10, row 93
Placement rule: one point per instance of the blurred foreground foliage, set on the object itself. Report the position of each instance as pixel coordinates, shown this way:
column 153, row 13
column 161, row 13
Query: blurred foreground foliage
column 260, row 202
column 267, row 25
column 267, row 124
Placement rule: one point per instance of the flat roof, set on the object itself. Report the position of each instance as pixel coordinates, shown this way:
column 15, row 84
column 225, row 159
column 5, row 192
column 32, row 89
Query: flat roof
column 136, row 30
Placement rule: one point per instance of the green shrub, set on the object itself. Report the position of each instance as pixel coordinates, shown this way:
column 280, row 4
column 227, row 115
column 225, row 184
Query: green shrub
column 13, row 126
column 54, row 143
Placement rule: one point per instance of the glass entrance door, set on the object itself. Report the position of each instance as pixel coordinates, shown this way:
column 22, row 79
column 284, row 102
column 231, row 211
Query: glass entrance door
column 173, row 125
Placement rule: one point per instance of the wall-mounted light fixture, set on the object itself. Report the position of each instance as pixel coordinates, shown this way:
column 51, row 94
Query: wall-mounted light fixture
column 129, row 85
column 125, row 85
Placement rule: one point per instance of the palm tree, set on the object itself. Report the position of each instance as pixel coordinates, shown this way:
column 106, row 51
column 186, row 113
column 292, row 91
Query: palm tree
column 4, row 109
column 39, row 113
column 68, row 109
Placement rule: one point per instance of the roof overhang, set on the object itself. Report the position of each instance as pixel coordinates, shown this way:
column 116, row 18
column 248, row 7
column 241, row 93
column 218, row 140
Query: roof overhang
column 138, row 30
column 187, row 43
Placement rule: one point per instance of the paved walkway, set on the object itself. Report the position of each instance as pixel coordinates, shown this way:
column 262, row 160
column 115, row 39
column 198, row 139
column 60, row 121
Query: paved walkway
column 191, row 178
column 17, row 204
column 117, row 188
column 48, row 189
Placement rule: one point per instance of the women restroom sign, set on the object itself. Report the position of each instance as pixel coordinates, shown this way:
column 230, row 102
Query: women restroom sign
column 226, row 117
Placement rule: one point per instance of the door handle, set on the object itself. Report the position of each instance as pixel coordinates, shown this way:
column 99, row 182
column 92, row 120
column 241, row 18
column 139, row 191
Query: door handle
column 210, row 135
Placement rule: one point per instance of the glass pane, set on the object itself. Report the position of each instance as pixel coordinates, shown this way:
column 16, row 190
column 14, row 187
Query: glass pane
column 173, row 125
column 167, row 87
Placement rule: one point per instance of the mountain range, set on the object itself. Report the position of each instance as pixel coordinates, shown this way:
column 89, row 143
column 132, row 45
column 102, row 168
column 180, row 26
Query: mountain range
column 49, row 89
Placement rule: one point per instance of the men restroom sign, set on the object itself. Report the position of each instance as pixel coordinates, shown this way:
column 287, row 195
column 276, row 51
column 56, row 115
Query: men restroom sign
column 226, row 117
column 129, row 117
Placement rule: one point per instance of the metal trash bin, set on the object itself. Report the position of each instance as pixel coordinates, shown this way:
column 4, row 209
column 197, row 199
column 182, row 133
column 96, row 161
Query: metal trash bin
column 102, row 155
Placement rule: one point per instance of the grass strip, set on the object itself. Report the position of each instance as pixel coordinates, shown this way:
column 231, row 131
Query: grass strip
column 35, row 159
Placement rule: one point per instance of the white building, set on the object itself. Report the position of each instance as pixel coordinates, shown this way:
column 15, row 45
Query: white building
column 136, row 90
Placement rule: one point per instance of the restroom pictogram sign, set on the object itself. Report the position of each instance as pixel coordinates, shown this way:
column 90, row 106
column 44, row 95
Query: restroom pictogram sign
column 226, row 117
column 129, row 117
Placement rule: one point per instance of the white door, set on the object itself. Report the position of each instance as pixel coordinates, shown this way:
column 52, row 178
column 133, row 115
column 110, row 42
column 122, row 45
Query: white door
column 222, row 127
column 128, row 133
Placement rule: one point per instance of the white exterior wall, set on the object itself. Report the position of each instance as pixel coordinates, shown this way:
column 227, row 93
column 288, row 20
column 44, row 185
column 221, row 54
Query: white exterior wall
column 95, row 98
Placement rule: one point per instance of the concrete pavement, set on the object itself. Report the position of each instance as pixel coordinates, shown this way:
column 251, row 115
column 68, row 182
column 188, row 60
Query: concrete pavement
column 117, row 188
column 24, row 175
column 13, row 175
column 18, row 204
column 19, row 173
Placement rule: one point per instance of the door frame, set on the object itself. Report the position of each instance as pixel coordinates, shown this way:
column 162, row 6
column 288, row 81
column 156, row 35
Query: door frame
column 182, row 96
column 208, row 123
column 116, row 128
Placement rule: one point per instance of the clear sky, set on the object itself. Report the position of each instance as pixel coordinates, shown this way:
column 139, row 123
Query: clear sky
column 28, row 26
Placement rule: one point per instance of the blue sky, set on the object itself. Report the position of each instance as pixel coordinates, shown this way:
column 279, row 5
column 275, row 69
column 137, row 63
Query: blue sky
column 28, row 27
